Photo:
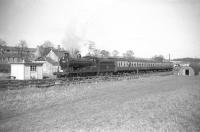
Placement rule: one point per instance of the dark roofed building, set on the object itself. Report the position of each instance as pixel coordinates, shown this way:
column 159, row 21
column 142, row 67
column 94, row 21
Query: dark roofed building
column 10, row 54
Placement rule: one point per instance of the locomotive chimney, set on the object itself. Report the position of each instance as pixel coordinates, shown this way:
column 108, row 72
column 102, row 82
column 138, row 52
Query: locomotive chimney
column 66, row 55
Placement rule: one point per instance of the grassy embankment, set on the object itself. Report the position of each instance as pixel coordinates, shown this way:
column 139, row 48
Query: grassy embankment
column 167, row 103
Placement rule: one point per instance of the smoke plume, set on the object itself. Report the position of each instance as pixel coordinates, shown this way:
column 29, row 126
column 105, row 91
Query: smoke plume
column 74, row 36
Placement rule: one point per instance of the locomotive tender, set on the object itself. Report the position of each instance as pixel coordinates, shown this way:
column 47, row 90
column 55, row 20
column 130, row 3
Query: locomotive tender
column 88, row 65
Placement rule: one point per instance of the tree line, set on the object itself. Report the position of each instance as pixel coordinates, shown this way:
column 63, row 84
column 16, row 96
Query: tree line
column 93, row 51
column 45, row 48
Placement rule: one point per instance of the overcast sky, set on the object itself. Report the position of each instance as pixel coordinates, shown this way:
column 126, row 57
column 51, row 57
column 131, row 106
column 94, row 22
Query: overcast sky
column 147, row 27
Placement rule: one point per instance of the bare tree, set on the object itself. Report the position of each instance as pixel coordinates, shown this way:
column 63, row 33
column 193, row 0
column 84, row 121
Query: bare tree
column 129, row 54
column 2, row 45
column 45, row 48
column 105, row 53
column 47, row 44
column 3, row 42
column 23, row 49
column 74, row 53
column 91, row 47
column 93, row 51
column 158, row 58
column 115, row 53
column 96, row 52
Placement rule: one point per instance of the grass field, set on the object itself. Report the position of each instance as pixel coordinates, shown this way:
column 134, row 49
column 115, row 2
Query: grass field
column 167, row 103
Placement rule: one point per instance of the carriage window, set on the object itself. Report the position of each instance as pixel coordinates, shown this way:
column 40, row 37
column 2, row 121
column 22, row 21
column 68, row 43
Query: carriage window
column 33, row 68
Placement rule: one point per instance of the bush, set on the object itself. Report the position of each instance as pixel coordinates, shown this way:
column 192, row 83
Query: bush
column 196, row 67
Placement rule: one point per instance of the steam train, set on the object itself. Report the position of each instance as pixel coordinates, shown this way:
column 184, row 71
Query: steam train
column 85, row 66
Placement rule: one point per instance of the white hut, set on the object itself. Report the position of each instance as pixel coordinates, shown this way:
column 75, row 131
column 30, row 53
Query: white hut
column 186, row 71
column 26, row 70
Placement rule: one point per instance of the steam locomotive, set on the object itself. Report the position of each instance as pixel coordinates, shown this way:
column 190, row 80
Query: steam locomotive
column 85, row 66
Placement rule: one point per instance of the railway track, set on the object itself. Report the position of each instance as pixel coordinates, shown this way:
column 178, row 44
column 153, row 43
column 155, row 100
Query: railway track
column 44, row 83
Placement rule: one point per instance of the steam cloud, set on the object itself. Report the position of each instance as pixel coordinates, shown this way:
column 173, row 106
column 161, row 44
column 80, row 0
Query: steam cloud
column 74, row 37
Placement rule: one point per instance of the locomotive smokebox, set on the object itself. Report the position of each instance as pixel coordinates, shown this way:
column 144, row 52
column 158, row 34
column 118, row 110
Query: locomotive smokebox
column 64, row 61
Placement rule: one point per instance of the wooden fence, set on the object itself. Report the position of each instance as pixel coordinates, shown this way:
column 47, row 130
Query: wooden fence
column 19, row 84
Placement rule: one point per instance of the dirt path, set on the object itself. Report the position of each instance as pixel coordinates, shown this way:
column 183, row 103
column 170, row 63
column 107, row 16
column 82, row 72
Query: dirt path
column 113, row 106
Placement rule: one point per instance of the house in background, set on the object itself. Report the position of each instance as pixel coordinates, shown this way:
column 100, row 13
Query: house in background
column 49, row 66
column 51, row 62
column 10, row 54
column 56, row 54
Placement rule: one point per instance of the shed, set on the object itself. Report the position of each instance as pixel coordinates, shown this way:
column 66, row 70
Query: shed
column 186, row 71
column 26, row 70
